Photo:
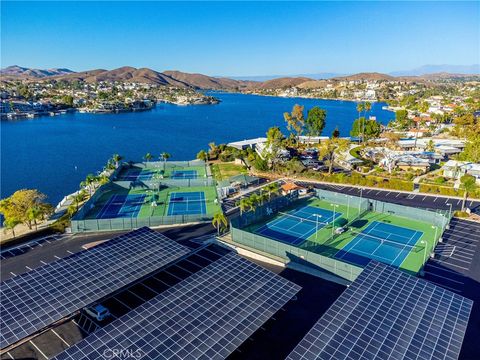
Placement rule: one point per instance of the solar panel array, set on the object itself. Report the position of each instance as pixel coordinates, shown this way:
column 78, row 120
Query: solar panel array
column 38, row 298
column 206, row 316
column 388, row 314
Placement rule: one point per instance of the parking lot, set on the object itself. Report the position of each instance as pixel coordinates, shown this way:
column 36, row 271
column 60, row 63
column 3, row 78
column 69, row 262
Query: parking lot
column 79, row 325
column 402, row 198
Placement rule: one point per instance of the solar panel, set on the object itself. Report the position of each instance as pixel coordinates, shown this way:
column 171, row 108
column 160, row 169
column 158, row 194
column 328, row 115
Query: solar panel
column 206, row 316
column 388, row 314
column 38, row 298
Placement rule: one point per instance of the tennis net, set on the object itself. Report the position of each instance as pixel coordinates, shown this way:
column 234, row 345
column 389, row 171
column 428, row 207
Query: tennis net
column 311, row 219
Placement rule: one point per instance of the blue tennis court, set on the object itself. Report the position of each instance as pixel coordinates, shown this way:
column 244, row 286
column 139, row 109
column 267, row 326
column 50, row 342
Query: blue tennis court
column 187, row 203
column 119, row 206
column 383, row 242
column 297, row 226
column 136, row 174
column 184, row 174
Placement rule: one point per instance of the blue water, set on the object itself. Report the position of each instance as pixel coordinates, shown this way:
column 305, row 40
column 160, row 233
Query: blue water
column 53, row 154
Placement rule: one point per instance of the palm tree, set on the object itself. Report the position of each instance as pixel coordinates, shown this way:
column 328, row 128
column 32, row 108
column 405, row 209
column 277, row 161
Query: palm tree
column 244, row 205
column 262, row 196
column 35, row 213
column 468, row 182
column 219, row 222
column 78, row 198
column 148, row 157
column 165, row 156
column 117, row 158
column 272, row 189
column 10, row 223
column 254, row 201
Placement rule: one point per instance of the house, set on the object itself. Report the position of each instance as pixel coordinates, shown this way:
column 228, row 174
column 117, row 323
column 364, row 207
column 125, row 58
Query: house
column 454, row 169
column 312, row 139
column 291, row 189
column 251, row 143
column 419, row 133
column 405, row 162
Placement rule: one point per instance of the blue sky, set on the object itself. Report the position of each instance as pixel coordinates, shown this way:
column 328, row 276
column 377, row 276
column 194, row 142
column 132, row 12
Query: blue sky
column 238, row 39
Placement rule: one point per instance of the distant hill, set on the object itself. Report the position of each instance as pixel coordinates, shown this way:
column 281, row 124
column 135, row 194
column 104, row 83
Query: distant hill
column 366, row 76
column 435, row 69
column 284, row 82
column 23, row 72
column 200, row 81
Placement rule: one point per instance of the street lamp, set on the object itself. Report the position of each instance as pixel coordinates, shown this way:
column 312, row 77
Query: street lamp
column 316, row 224
column 334, row 213
column 436, row 232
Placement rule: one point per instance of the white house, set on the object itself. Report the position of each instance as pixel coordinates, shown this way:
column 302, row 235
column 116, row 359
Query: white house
column 454, row 169
column 250, row 143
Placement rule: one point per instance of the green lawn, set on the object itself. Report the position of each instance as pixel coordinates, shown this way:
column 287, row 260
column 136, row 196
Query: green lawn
column 224, row 171
column 326, row 243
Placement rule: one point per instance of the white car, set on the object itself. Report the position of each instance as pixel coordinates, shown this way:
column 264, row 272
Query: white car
column 98, row 312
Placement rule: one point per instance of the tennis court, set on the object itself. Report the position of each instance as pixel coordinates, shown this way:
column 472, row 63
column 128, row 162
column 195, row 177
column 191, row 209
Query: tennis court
column 184, row 174
column 119, row 206
column 383, row 242
column 135, row 174
column 297, row 226
column 187, row 203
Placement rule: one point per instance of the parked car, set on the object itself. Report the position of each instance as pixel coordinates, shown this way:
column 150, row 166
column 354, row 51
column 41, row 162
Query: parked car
column 98, row 312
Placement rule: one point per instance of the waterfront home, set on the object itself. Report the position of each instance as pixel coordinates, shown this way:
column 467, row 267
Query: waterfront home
column 250, row 143
column 312, row 139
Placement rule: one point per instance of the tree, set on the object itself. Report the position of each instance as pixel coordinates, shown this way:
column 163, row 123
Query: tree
column 366, row 128
column 336, row 133
column 468, row 183
column 331, row 149
column 472, row 149
column 295, row 120
column 202, row 155
column 430, row 146
column 148, row 157
column 10, row 224
column 68, row 100
column 275, row 140
column 165, row 156
column 220, row 222
column 272, row 189
column 316, row 121
column 26, row 206
column 116, row 159
column 244, row 205
column 360, row 108
column 402, row 120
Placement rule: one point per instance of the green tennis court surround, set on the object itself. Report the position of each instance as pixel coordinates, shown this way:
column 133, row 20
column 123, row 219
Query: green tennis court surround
column 345, row 229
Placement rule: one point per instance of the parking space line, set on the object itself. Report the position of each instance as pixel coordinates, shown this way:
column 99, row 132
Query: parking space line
column 458, row 202
column 446, row 278
column 424, row 198
column 446, row 286
column 446, row 201
column 59, row 258
column 43, row 262
column 435, row 199
column 121, row 302
column 12, row 273
column 11, row 357
column 398, row 194
column 429, row 264
column 447, row 263
column 40, row 351
column 63, row 340
column 28, row 268
column 137, row 296
column 70, row 252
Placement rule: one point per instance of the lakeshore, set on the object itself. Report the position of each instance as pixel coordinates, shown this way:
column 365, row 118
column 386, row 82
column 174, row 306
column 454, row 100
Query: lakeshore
column 69, row 146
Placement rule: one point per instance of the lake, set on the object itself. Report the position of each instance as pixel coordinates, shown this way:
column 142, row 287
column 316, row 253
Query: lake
column 53, row 154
